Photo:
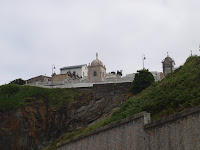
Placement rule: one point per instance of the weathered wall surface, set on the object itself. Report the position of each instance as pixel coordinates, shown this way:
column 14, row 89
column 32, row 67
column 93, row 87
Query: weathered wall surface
column 37, row 124
column 38, row 78
column 177, row 132
column 124, row 135
column 109, row 90
column 59, row 77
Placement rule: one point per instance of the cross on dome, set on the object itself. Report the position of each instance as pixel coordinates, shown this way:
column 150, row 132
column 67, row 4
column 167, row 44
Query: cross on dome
column 96, row 55
column 96, row 62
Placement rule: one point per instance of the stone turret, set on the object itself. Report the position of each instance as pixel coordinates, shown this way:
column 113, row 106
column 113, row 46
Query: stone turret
column 168, row 65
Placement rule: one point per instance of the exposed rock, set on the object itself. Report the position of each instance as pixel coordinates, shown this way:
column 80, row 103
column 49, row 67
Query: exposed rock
column 37, row 124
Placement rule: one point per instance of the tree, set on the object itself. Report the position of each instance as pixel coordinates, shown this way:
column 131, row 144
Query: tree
column 18, row 81
column 143, row 78
column 119, row 72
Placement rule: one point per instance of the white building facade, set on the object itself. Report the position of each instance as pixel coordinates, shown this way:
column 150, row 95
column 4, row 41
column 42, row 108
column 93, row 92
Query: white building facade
column 158, row 76
column 80, row 70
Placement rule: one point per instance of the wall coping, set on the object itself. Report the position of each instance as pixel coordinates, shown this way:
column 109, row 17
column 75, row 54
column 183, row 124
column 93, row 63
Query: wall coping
column 107, row 127
column 110, row 83
column 172, row 117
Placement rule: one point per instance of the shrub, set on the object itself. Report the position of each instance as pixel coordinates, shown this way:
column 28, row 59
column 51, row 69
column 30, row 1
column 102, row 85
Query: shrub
column 18, row 81
column 143, row 78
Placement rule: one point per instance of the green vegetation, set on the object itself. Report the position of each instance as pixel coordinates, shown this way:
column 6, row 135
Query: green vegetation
column 119, row 72
column 177, row 92
column 143, row 79
column 18, row 81
column 15, row 96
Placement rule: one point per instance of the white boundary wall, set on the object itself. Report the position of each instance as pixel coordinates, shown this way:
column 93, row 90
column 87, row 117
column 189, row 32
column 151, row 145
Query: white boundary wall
column 84, row 83
column 71, row 85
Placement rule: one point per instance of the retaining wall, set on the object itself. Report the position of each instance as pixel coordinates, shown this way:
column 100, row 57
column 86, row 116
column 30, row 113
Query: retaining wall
column 177, row 132
column 62, row 84
column 110, row 90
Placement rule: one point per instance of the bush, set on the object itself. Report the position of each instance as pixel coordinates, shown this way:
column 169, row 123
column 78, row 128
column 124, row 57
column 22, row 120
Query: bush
column 143, row 78
column 18, row 81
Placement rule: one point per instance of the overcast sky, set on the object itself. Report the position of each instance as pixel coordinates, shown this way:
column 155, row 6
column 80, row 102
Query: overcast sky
column 34, row 34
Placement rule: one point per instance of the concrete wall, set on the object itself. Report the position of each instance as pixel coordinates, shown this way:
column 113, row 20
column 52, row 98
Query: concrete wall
column 177, row 132
column 157, row 75
column 84, row 71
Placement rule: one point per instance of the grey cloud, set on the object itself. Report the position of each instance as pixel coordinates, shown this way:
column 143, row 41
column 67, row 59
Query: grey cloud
column 36, row 34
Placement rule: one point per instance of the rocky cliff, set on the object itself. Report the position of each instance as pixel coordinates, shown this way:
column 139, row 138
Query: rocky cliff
column 36, row 125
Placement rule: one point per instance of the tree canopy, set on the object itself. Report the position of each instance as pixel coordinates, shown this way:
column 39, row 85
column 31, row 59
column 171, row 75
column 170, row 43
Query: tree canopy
column 119, row 72
column 18, row 81
column 143, row 78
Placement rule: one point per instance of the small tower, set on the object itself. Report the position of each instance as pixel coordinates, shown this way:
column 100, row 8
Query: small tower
column 96, row 71
column 168, row 65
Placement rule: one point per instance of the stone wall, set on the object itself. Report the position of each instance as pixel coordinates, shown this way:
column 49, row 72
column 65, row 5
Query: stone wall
column 124, row 135
column 40, row 78
column 59, row 77
column 108, row 90
column 177, row 132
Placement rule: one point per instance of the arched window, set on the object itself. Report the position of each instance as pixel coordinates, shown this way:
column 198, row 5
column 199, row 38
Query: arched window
column 94, row 73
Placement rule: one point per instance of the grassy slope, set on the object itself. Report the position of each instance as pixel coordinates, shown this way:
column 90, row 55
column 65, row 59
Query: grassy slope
column 177, row 92
column 15, row 96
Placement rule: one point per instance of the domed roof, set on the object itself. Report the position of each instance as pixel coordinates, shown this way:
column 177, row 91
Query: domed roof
column 168, row 59
column 96, row 62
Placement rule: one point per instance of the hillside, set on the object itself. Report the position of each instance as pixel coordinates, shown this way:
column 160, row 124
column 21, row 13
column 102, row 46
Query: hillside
column 177, row 92
column 32, row 117
column 14, row 96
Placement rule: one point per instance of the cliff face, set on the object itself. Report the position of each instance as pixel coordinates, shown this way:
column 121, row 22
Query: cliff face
column 31, row 127
column 37, row 124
